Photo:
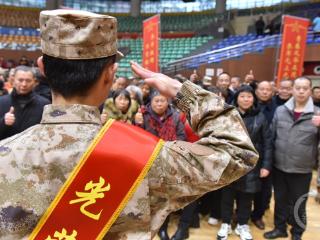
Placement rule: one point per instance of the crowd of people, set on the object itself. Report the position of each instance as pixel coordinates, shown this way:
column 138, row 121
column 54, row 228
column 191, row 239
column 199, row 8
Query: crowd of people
column 283, row 124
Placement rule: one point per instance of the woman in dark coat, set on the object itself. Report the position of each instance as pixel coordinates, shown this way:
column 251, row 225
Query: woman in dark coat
column 243, row 189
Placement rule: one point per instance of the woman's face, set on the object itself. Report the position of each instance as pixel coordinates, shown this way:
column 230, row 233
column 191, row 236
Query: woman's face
column 122, row 103
column 145, row 90
column 245, row 100
column 159, row 104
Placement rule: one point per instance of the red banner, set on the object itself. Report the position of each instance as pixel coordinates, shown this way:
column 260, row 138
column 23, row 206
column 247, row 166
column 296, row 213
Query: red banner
column 101, row 184
column 151, row 36
column 293, row 46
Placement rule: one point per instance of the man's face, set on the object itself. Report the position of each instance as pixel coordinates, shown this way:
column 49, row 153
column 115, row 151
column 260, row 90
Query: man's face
column 264, row 91
column 301, row 90
column 316, row 94
column 223, row 81
column 235, row 83
column 120, row 83
column 285, row 90
column 24, row 82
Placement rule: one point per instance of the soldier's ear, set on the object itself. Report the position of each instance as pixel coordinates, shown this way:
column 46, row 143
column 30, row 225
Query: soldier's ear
column 40, row 65
column 110, row 72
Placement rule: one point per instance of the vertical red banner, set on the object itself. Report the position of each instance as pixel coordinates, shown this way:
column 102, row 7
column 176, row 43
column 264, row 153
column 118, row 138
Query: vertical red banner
column 294, row 39
column 151, row 37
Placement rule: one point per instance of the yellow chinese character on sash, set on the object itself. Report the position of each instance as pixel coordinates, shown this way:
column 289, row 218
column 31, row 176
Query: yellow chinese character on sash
column 289, row 47
column 147, row 53
column 151, row 53
column 297, row 46
column 96, row 191
column 152, row 36
column 147, row 46
column 296, row 60
column 152, row 60
column 152, row 44
column 63, row 235
column 146, row 62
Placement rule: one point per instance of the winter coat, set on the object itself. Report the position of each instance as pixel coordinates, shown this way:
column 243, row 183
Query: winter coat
column 295, row 143
column 260, row 134
column 169, row 128
column 26, row 115
column 114, row 113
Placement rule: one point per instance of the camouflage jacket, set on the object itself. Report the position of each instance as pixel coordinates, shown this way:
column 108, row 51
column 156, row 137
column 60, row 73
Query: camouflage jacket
column 36, row 162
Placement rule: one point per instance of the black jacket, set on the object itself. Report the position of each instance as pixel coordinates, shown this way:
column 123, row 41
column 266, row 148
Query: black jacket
column 261, row 136
column 27, row 110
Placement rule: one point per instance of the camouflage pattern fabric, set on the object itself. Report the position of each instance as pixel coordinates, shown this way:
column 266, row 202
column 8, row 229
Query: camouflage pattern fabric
column 36, row 162
column 76, row 34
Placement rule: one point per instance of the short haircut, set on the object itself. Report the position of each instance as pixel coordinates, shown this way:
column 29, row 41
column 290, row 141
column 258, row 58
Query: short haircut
column 74, row 77
column 224, row 73
column 24, row 68
column 124, row 93
column 302, row 78
column 315, row 87
column 287, row 80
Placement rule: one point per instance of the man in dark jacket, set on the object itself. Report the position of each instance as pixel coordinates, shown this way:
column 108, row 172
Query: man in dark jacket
column 295, row 143
column 223, row 83
column 22, row 108
column 262, row 198
column 284, row 92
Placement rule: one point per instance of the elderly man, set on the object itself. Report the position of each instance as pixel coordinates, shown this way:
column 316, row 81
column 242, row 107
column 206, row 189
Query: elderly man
column 115, row 182
column 296, row 141
column 22, row 108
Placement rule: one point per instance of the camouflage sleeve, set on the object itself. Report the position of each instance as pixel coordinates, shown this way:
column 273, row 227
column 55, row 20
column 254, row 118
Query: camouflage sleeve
column 223, row 154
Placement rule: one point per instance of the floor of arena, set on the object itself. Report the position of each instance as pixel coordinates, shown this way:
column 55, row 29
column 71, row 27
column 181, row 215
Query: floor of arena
column 208, row 232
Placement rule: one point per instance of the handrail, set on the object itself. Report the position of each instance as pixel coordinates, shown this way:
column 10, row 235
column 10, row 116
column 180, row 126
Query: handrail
column 222, row 54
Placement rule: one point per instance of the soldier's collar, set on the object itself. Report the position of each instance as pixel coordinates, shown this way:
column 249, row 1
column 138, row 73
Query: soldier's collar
column 75, row 113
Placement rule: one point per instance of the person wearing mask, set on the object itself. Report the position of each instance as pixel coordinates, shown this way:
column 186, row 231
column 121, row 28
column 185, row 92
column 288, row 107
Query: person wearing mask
column 22, row 108
column 295, row 143
column 284, row 92
column 223, row 83
column 242, row 191
column 120, row 107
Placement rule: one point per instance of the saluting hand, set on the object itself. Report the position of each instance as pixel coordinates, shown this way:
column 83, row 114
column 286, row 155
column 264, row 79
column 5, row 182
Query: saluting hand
column 165, row 85
column 9, row 118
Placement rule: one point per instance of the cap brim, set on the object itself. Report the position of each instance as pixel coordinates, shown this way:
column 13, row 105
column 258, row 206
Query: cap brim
column 119, row 55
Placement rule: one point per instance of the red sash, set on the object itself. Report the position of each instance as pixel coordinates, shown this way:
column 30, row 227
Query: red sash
column 101, row 184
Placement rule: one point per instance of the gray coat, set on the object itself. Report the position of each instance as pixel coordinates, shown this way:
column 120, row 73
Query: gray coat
column 295, row 143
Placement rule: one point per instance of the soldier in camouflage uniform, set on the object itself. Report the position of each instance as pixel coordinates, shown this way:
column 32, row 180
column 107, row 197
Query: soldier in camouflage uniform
column 35, row 163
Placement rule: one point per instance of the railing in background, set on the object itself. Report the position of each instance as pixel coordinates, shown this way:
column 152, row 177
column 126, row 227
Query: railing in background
column 230, row 52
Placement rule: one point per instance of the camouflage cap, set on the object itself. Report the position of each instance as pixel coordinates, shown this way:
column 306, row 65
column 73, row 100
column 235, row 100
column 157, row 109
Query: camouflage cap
column 76, row 34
